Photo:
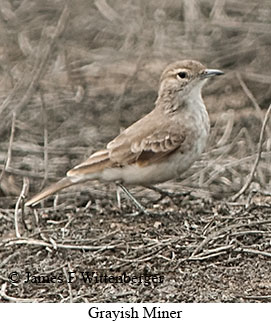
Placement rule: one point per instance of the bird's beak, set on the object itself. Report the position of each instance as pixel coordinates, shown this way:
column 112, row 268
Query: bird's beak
column 209, row 73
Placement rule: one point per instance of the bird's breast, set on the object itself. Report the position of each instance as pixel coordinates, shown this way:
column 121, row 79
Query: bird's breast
column 198, row 122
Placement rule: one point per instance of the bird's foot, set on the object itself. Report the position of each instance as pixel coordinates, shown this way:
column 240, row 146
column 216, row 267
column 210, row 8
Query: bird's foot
column 164, row 193
column 141, row 209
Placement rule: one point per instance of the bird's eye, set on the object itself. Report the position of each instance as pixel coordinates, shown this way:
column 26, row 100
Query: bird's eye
column 182, row 75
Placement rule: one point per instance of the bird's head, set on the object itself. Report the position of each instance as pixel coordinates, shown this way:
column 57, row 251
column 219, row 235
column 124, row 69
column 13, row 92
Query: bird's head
column 184, row 77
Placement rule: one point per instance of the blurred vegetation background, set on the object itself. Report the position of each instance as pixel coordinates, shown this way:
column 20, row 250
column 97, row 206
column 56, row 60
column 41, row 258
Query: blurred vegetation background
column 73, row 73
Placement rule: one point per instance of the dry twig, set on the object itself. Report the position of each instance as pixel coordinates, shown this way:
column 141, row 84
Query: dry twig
column 254, row 252
column 69, row 285
column 257, row 297
column 4, row 295
column 217, row 234
column 59, row 245
column 253, row 170
column 20, row 199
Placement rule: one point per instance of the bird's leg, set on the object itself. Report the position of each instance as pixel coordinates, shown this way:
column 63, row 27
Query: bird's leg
column 119, row 190
column 140, row 207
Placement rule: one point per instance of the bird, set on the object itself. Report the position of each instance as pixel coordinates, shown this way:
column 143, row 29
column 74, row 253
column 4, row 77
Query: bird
column 158, row 147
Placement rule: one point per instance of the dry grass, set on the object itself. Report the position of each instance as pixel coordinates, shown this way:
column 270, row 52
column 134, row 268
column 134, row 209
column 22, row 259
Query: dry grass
column 97, row 65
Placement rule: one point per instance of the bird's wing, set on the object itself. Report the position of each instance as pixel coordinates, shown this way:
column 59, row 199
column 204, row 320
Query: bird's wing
column 143, row 143
column 153, row 147
column 95, row 163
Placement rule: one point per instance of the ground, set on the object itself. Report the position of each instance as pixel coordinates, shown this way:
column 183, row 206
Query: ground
column 188, row 250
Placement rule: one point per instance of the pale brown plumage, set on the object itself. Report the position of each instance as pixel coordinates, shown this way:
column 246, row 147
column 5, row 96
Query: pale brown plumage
column 158, row 147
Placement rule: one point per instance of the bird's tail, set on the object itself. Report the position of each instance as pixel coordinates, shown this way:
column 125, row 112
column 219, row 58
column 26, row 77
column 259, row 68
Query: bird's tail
column 88, row 170
column 63, row 183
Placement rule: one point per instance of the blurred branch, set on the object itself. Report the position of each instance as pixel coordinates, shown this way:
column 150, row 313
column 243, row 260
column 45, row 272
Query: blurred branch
column 218, row 10
column 45, row 140
column 260, row 28
column 256, row 77
column 11, row 139
column 253, row 100
column 191, row 17
column 108, row 12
